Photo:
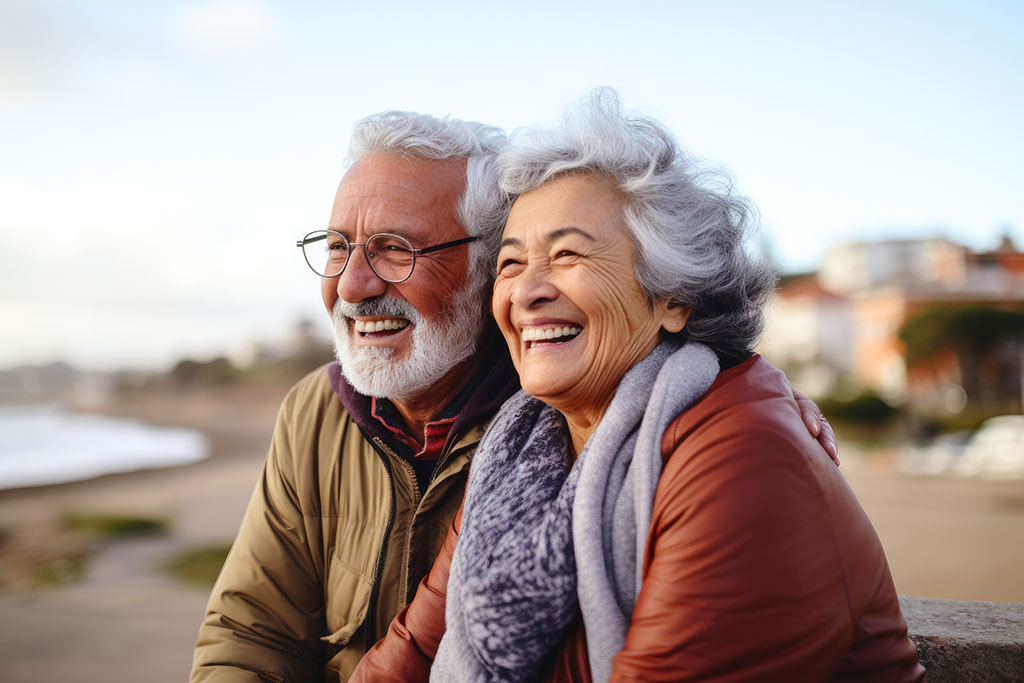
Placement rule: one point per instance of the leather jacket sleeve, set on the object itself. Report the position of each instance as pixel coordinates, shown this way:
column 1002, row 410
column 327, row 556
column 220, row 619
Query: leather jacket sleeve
column 760, row 564
column 406, row 653
column 265, row 616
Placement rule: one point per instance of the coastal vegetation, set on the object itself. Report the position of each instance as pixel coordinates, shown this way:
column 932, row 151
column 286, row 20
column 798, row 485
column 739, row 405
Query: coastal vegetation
column 105, row 526
column 199, row 565
column 83, row 534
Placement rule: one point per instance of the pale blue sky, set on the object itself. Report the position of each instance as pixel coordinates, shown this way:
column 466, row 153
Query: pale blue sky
column 160, row 158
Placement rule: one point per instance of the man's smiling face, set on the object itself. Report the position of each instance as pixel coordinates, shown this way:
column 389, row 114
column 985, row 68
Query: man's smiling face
column 428, row 323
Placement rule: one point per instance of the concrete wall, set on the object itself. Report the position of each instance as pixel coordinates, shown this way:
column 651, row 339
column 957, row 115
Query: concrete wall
column 967, row 641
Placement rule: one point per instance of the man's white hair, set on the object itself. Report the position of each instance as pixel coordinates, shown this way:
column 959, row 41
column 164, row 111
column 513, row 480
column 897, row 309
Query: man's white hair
column 421, row 136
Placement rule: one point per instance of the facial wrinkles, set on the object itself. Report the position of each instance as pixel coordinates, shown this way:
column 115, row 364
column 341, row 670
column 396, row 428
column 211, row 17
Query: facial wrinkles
column 414, row 198
column 373, row 198
column 617, row 317
column 383, row 194
column 617, row 346
column 571, row 259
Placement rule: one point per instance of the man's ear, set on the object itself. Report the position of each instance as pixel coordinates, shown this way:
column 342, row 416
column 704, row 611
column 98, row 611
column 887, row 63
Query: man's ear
column 674, row 317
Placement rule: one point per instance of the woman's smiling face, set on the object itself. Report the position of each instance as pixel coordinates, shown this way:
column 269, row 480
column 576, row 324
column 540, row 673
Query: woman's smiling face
column 567, row 299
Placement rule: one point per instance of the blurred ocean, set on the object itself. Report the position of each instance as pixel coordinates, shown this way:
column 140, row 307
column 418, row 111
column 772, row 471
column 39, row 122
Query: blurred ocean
column 42, row 444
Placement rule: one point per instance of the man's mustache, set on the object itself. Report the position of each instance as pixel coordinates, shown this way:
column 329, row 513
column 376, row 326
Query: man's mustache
column 379, row 306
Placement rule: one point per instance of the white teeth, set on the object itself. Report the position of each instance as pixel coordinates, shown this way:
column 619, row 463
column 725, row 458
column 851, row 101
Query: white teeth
column 366, row 326
column 536, row 333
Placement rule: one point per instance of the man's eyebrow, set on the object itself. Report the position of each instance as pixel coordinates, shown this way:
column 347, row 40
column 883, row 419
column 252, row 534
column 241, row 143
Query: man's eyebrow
column 391, row 230
column 555, row 234
column 401, row 232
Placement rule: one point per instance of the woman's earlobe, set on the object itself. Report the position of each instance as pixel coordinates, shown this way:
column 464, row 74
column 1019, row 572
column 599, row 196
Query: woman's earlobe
column 675, row 317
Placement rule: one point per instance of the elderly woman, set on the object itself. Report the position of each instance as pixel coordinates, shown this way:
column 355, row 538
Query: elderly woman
column 651, row 506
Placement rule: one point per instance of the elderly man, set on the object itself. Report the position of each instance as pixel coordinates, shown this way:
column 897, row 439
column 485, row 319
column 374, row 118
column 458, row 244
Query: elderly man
column 369, row 457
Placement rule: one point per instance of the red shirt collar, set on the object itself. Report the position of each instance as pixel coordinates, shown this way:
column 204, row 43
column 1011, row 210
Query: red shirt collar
column 435, row 434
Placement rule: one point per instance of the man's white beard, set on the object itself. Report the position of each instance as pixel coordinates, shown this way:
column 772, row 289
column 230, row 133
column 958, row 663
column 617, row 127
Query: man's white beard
column 437, row 345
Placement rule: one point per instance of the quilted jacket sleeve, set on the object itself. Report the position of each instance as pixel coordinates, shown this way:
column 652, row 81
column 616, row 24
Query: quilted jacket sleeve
column 406, row 653
column 265, row 615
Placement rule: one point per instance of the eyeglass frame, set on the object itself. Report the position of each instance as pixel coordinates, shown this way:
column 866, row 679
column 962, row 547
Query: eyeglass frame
column 413, row 250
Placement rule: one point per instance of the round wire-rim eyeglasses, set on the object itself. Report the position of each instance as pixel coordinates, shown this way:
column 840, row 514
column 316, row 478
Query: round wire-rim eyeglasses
column 394, row 252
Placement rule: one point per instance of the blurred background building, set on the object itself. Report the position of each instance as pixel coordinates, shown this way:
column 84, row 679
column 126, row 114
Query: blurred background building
column 926, row 323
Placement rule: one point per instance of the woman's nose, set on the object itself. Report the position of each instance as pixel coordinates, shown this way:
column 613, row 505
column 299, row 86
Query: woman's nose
column 359, row 282
column 534, row 287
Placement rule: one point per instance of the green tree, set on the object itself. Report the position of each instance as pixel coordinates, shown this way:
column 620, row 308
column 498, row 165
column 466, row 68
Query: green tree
column 987, row 342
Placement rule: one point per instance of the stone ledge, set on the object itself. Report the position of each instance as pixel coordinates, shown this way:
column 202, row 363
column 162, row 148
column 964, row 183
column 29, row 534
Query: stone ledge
column 967, row 641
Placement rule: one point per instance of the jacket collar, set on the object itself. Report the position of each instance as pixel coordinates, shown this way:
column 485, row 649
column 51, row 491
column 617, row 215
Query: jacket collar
column 493, row 382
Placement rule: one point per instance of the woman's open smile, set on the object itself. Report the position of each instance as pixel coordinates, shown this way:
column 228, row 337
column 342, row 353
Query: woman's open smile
column 566, row 297
column 537, row 335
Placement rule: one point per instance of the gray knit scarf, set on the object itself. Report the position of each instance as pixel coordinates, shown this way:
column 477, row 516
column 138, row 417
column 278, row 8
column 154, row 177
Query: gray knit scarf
column 537, row 537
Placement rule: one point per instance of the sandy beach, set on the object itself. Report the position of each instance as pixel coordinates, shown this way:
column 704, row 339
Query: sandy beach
column 127, row 621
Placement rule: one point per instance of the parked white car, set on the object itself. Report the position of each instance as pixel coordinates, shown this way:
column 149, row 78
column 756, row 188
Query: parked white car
column 935, row 458
column 995, row 450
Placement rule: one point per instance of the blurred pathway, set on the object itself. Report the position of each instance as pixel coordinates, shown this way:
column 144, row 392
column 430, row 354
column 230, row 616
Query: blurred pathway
column 126, row 621
column 945, row 537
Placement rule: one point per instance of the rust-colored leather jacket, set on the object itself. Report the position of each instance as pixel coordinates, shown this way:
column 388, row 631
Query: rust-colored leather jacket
column 760, row 563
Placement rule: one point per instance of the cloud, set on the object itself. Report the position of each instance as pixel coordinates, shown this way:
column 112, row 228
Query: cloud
column 234, row 28
column 33, row 36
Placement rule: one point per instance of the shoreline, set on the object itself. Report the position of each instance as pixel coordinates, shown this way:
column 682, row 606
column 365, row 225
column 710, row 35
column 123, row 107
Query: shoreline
column 123, row 601
column 224, row 443
column 201, row 500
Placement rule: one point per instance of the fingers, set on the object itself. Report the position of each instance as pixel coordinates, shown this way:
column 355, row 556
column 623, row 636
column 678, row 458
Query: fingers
column 809, row 413
column 812, row 418
column 828, row 441
column 817, row 425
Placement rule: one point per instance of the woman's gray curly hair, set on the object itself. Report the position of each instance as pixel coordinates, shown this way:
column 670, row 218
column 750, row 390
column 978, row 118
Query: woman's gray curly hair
column 687, row 226
column 422, row 136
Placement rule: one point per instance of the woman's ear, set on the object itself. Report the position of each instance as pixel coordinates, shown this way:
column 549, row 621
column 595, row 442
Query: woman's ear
column 674, row 317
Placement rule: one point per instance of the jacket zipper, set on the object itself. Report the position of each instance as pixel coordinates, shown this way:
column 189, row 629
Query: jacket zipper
column 417, row 497
column 382, row 450
column 445, row 457
column 371, row 612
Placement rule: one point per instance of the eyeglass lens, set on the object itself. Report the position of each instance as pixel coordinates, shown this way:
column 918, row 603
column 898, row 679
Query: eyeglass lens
column 391, row 257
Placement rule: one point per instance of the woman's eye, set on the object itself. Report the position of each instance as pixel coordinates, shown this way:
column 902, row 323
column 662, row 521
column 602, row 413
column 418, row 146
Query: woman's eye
column 508, row 266
column 565, row 253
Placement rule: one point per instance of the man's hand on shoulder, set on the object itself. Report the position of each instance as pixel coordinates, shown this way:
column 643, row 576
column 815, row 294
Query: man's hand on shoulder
column 817, row 425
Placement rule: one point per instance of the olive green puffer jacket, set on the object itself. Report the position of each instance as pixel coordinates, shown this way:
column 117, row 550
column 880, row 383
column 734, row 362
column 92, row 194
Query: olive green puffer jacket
column 335, row 540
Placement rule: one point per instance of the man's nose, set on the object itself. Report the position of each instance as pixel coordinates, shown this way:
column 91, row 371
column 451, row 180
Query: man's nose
column 359, row 282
